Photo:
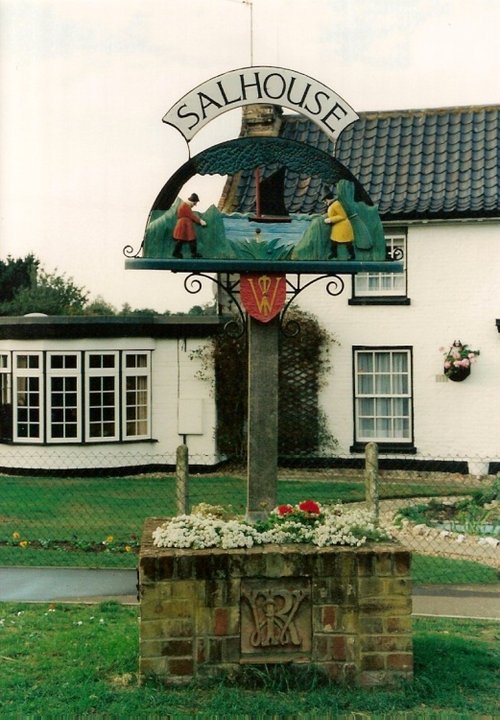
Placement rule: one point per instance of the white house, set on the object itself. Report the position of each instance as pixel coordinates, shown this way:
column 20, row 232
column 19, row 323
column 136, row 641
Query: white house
column 82, row 393
column 434, row 175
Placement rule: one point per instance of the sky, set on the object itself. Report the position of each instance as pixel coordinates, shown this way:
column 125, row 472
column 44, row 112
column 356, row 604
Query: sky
column 84, row 85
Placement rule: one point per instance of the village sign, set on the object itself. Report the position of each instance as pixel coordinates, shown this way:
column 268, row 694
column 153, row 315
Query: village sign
column 265, row 245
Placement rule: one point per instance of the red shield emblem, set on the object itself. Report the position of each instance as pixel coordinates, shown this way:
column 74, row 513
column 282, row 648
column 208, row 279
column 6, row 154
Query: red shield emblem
column 263, row 296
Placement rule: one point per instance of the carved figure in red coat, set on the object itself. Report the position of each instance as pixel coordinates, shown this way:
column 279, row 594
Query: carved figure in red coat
column 184, row 227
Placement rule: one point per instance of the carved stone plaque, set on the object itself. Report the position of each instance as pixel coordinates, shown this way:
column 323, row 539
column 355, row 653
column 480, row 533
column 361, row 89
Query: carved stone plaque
column 276, row 617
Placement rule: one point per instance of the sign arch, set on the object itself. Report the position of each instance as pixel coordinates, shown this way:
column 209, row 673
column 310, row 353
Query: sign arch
column 263, row 84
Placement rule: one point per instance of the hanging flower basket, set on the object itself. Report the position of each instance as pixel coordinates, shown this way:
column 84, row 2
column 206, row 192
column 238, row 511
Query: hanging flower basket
column 458, row 374
column 458, row 361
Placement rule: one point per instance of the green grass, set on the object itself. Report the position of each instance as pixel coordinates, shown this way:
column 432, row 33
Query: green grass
column 427, row 570
column 17, row 557
column 93, row 508
column 82, row 510
column 81, row 661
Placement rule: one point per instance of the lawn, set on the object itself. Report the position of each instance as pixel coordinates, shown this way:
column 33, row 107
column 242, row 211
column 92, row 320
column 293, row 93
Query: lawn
column 100, row 518
column 81, row 661
column 95, row 508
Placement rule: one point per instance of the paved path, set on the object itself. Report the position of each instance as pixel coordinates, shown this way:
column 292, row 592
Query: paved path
column 52, row 583
column 86, row 585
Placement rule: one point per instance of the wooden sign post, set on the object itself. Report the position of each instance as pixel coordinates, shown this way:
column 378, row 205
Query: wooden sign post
column 262, row 444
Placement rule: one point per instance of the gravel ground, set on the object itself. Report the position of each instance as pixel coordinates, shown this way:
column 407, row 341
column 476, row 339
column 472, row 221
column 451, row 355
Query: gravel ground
column 439, row 543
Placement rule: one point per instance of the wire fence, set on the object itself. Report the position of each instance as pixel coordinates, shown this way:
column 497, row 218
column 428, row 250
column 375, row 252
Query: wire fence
column 94, row 518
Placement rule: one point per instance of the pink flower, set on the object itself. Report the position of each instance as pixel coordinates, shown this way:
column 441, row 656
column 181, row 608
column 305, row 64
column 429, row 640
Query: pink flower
column 465, row 362
column 284, row 509
column 309, row 506
column 447, row 365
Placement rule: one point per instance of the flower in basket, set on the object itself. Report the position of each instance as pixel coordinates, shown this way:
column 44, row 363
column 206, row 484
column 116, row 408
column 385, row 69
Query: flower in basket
column 458, row 358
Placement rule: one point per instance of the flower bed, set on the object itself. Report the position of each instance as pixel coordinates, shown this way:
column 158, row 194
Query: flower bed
column 305, row 586
column 306, row 522
column 478, row 515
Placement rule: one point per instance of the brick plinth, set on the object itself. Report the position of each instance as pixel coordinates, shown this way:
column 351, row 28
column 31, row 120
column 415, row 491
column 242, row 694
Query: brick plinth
column 346, row 611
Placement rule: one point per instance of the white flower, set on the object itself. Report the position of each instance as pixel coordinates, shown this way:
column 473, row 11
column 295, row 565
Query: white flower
column 336, row 526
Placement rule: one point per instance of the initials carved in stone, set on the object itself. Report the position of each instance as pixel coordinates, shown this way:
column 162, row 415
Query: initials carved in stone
column 275, row 617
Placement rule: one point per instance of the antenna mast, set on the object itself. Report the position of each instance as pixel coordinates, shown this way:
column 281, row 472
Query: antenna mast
column 250, row 5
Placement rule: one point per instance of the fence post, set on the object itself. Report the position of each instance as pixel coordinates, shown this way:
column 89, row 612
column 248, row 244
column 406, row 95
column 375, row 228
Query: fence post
column 372, row 479
column 182, row 480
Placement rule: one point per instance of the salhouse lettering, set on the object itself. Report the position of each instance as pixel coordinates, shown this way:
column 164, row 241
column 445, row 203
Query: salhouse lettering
column 247, row 86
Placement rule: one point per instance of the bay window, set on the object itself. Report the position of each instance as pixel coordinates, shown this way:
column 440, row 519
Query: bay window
column 75, row 397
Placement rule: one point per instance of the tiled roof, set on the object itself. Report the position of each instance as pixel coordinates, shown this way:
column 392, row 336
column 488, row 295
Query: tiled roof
column 440, row 163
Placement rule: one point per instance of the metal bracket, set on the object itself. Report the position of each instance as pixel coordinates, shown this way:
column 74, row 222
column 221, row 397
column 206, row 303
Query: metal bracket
column 230, row 285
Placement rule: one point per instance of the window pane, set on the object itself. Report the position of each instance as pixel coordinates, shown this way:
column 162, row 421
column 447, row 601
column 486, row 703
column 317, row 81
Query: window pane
column 105, row 361
column 366, row 407
column 139, row 360
column 63, row 362
column 108, row 398
column 365, row 362
column 382, row 362
column 367, row 427
column 108, row 429
column 382, row 384
column 95, row 414
column 57, row 415
column 384, row 427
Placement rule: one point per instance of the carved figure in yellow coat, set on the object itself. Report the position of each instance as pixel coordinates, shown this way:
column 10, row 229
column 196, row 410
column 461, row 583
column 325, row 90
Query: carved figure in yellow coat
column 342, row 232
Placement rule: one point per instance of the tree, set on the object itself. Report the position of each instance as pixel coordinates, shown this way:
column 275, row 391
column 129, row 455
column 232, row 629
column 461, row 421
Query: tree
column 16, row 274
column 47, row 293
column 99, row 306
column 127, row 310
column 209, row 308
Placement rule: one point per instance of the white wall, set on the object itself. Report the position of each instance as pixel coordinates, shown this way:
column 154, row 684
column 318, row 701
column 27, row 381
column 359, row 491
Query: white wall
column 454, row 287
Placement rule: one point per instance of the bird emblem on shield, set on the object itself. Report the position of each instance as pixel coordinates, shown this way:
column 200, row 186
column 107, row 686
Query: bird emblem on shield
column 263, row 296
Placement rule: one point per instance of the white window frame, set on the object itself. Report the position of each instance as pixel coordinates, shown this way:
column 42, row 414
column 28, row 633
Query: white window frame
column 374, row 285
column 103, row 373
column 5, row 372
column 64, row 373
column 26, row 374
column 5, row 397
column 128, row 374
column 390, row 397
